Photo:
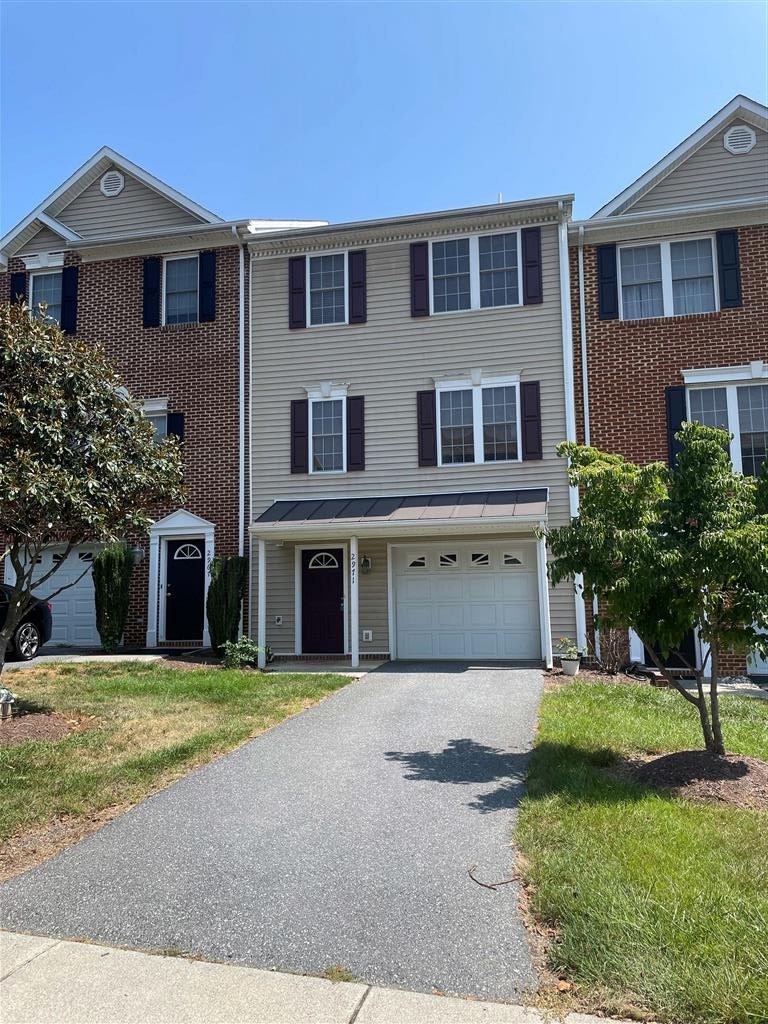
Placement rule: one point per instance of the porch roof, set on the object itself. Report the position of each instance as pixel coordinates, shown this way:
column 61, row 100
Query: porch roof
column 385, row 515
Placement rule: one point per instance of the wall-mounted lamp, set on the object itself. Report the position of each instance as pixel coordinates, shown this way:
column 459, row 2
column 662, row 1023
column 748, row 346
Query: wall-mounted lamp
column 138, row 554
column 365, row 565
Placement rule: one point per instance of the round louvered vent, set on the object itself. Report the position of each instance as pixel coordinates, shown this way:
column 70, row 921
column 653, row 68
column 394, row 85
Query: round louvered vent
column 112, row 183
column 740, row 138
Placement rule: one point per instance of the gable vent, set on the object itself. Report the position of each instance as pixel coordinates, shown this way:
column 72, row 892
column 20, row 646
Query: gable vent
column 112, row 183
column 739, row 139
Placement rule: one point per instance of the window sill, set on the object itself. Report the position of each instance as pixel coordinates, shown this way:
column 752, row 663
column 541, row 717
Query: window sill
column 181, row 327
column 480, row 309
column 484, row 464
column 676, row 316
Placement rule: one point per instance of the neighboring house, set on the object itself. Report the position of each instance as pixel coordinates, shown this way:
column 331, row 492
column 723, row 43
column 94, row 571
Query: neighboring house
column 670, row 303
column 410, row 380
column 124, row 259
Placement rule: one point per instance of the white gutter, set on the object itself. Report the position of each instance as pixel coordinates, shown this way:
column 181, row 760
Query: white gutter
column 241, row 399
column 669, row 213
column 583, row 336
column 570, row 406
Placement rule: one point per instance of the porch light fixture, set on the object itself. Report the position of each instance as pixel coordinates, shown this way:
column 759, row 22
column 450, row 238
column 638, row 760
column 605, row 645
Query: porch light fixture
column 138, row 554
column 365, row 565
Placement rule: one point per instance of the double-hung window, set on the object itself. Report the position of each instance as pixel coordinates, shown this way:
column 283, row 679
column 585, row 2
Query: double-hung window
column 669, row 278
column 180, row 291
column 156, row 412
column 46, row 287
column 742, row 409
column 327, row 292
column 479, row 422
column 476, row 272
column 327, row 435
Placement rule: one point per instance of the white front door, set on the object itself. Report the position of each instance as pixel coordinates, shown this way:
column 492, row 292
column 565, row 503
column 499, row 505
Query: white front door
column 467, row 600
column 74, row 609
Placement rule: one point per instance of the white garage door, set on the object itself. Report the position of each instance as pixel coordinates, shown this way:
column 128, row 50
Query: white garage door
column 74, row 611
column 468, row 600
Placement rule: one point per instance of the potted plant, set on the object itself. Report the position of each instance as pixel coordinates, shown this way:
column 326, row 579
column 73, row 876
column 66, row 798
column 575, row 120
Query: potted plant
column 570, row 657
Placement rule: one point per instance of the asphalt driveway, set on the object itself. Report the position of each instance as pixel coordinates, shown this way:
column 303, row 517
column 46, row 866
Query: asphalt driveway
column 340, row 837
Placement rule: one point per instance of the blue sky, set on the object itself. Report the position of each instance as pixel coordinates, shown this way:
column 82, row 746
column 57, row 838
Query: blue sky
column 350, row 111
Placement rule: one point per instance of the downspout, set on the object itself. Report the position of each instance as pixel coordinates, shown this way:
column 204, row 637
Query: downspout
column 585, row 388
column 241, row 398
column 570, row 404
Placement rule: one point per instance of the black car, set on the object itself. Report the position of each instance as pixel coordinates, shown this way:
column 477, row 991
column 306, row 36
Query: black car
column 33, row 631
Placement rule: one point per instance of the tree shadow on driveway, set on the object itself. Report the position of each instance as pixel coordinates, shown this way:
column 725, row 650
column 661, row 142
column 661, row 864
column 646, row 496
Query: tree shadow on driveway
column 464, row 762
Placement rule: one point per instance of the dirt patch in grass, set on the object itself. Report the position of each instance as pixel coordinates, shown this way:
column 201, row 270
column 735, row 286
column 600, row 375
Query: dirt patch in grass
column 734, row 780
column 26, row 728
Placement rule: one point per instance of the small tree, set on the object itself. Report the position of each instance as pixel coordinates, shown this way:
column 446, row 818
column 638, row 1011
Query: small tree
column 112, row 572
column 667, row 551
column 225, row 596
column 77, row 459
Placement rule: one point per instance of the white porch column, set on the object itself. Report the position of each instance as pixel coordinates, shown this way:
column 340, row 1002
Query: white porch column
column 354, row 606
column 261, row 612
column 209, row 554
column 154, row 582
column 546, row 627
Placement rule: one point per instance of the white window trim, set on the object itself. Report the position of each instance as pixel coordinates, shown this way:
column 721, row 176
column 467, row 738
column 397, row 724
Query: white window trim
column 474, row 271
column 756, row 370
column 328, row 393
column 171, row 259
column 475, row 384
column 44, row 273
column 308, row 296
column 731, row 395
column 154, row 406
column 666, row 274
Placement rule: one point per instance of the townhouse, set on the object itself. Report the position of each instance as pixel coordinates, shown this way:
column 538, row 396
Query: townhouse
column 670, row 306
column 122, row 258
column 410, row 379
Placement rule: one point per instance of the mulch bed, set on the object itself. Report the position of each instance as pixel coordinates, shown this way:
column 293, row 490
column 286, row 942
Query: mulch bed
column 37, row 726
column 191, row 659
column 734, row 780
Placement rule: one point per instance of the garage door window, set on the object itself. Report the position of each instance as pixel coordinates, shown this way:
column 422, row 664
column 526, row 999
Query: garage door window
column 418, row 562
column 512, row 559
column 480, row 558
column 449, row 560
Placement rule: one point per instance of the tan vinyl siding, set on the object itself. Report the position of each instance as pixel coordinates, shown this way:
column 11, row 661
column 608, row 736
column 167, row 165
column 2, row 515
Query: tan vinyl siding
column 136, row 208
column 388, row 360
column 712, row 174
column 44, row 241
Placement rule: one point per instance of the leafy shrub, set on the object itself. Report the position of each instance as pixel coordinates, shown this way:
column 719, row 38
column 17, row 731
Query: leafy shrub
column 112, row 571
column 243, row 653
column 225, row 596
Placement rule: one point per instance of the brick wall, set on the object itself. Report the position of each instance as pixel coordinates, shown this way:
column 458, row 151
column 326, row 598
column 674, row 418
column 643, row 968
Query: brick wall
column 194, row 366
column 631, row 363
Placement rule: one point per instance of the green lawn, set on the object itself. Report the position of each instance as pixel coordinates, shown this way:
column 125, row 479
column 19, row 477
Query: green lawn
column 150, row 725
column 659, row 904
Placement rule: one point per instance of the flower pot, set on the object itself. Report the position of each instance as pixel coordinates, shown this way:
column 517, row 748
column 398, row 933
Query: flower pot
column 570, row 666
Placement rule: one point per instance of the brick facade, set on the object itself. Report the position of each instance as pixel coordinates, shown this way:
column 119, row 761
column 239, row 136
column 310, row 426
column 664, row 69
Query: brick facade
column 194, row 366
column 630, row 363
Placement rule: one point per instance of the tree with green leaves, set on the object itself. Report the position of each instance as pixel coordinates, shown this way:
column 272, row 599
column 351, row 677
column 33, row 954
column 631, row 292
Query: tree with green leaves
column 78, row 462
column 112, row 572
column 667, row 550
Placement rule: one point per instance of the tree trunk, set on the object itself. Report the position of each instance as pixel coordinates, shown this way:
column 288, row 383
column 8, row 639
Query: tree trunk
column 706, row 727
column 718, row 746
column 3, row 650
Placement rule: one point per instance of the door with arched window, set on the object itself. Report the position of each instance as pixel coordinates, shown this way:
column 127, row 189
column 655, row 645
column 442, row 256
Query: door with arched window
column 322, row 601
column 185, row 589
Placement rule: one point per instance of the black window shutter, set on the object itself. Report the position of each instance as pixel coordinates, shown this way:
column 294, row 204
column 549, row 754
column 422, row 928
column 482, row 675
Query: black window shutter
column 175, row 425
column 207, row 283
column 297, row 298
column 355, row 433
column 607, row 282
column 69, row 276
column 420, row 279
column 300, row 435
column 532, row 288
column 19, row 287
column 677, row 414
column 728, row 269
column 426, row 411
column 530, row 415
column 153, row 267
column 358, row 300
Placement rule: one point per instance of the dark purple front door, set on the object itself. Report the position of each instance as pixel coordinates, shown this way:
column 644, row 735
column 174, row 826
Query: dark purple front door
column 322, row 601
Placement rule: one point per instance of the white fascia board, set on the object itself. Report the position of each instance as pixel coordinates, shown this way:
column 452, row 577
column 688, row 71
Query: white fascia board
column 137, row 236
column 259, row 227
column 60, row 229
column 739, row 104
column 756, row 370
column 415, row 528
column 594, row 225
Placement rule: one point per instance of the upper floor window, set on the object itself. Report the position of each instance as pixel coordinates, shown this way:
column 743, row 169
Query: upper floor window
column 326, row 437
column 670, row 278
column 741, row 409
column 479, row 422
column 180, row 291
column 156, row 412
column 476, row 272
column 327, row 293
column 46, row 287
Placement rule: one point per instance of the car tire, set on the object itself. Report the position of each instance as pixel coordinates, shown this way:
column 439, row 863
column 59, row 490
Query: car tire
column 26, row 641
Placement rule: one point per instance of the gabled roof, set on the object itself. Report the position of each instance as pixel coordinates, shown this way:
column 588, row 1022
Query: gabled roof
column 102, row 160
column 741, row 106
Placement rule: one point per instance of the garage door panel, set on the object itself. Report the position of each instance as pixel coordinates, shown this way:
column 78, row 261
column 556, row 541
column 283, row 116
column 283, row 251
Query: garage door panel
column 416, row 616
column 414, row 588
column 483, row 588
column 418, row 645
column 484, row 645
column 449, row 616
column 521, row 645
column 517, row 586
column 451, row 645
column 73, row 610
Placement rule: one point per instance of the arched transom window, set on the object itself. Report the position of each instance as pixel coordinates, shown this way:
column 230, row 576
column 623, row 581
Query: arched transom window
column 324, row 560
column 187, row 551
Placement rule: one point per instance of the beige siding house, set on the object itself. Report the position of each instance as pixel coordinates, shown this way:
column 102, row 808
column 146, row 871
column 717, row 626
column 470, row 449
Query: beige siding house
column 410, row 381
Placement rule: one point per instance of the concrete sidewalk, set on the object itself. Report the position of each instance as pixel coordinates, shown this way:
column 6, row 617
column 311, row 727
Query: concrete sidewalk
column 48, row 981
